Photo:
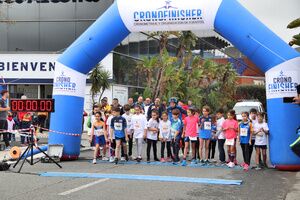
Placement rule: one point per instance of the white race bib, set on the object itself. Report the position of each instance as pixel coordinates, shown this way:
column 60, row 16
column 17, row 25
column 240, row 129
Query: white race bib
column 99, row 132
column 229, row 142
column 207, row 125
column 137, row 125
column 193, row 138
column 244, row 132
column 118, row 126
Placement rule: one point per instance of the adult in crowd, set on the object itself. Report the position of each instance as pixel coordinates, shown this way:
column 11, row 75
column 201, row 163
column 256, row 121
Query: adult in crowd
column 116, row 104
column 190, row 103
column 140, row 103
column 130, row 103
column 25, row 121
column 41, row 119
column 104, row 105
column 173, row 104
column 3, row 116
column 155, row 106
column 185, row 107
column 164, row 105
column 147, row 105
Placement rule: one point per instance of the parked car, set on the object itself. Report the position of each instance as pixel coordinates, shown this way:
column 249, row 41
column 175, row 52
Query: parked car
column 246, row 106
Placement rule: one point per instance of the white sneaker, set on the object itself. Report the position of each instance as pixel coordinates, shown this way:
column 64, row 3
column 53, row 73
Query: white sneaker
column 111, row 159
column 101, row 148
column 94, row 161
column 105, row 159
column 122, row 159
column 212, row 161
column 231, row 165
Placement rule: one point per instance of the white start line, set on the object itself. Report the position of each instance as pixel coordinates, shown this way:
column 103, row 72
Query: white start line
column 82, row 187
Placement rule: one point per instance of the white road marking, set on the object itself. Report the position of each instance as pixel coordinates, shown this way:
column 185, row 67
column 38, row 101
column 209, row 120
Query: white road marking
column 82, row 187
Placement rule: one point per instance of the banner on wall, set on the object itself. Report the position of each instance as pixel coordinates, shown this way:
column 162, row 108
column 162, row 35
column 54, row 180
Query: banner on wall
column 168, row 15
column 121, row 93
column 37, row 66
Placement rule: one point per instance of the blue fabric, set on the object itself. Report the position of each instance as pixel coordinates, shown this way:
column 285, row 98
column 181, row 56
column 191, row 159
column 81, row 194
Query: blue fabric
column 245, row 139
column 204, row 134
column 251, row 37
column 176, row 126
column 143, row 178
column 100, row 140
column 119, row 121
column 170, row 109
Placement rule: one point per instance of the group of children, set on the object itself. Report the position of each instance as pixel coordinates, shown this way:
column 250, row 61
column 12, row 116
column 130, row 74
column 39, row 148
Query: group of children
column 199, row 132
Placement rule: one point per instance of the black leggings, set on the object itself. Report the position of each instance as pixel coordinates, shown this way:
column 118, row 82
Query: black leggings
column 149, row 144
column 251, row 148
column 130, row 141
column 246, row 154
column 169, row 152
column 212, row 149
column 221, row 150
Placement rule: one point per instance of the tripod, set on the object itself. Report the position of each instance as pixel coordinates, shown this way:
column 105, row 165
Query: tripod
column 29, row 148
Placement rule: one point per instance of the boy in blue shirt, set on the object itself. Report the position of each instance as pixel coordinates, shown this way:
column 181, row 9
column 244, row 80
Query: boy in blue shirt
column 118, row 128
column 176, row 126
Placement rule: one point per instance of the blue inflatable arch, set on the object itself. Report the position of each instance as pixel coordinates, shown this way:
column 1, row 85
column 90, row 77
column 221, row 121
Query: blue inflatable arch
column 227, row 17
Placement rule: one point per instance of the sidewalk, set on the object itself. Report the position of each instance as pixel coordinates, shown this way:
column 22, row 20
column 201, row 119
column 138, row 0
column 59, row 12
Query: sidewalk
column 294, row 192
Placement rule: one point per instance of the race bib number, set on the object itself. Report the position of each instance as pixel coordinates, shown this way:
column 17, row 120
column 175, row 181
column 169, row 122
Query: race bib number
column 229, row 142
column 193, row 138
column 165, row 128
column 99, row 132
column 243, row 132
column 207, row 125
column 137, row 125
column 118, row 126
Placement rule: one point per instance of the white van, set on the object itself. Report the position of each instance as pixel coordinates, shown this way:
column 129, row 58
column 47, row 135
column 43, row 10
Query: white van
column 245, row 106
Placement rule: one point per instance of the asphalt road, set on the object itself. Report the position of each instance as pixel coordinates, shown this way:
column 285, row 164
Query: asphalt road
column 267, row 184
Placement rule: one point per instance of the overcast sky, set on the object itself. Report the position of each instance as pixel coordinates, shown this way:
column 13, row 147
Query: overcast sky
column 276, row 14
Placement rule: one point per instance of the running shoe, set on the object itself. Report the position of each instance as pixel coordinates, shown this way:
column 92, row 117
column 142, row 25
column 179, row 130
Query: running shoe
column 105, row 159
column 194, row 161
column 116, row 161
column 257, row 167
column 94, row 161
column 246, row 167
column 156, row 159
column 111, row 159
column 162, row 160
column 183, row 163
column 169, row 159
column 206, row 162
column 122, row 159
column 230, row 164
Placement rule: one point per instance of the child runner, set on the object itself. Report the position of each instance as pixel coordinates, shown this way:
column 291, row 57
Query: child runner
column 190, row 134
column 176, row 126
column 205, row 133
column 152, row 133
column 230, row 128
column 139, row 127
column 261, row 130
column 99, row 131
column 165, row 137
column 128, row 115
column 10, row 127
column 213, row 140
column 221, row 136
column 118, row 128
column 245, row 134
column 253, row 119
column 112, row 142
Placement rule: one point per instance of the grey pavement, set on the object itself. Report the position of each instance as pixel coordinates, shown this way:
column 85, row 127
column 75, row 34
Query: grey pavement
column 266, row 184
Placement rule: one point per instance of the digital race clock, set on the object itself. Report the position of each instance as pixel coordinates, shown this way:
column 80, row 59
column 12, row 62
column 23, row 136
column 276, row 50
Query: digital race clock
column 32, row 105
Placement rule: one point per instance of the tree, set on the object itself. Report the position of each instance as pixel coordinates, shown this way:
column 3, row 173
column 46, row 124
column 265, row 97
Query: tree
column 296, row 38
column 100, row 82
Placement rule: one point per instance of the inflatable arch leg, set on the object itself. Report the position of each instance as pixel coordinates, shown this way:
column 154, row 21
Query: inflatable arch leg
column 227, row 17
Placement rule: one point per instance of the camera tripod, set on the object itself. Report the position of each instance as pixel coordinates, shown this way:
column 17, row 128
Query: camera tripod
column 30, row 148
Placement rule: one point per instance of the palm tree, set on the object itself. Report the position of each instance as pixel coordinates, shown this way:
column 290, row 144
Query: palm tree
column 296, row 38
column 100, row 81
